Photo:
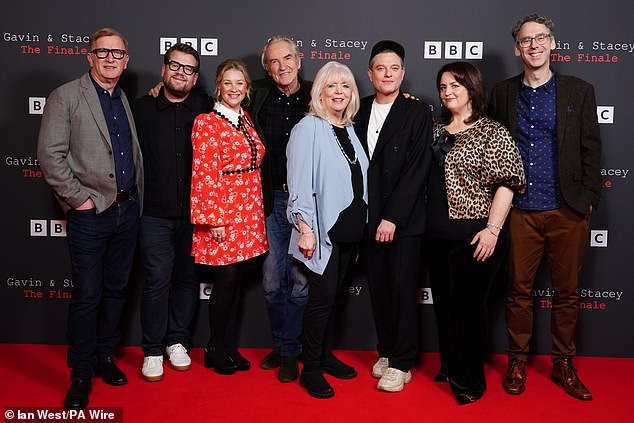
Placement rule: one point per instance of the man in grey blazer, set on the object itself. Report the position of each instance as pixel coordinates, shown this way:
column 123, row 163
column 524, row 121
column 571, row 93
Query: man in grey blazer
column 89, row 154
column 553, row 120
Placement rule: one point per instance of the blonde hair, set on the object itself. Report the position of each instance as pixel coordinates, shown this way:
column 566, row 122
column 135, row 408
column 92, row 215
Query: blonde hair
column 333, row 72
column 106, row 32
column 231, row 64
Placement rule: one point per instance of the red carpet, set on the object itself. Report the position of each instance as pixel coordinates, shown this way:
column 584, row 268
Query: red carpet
column 36, row 376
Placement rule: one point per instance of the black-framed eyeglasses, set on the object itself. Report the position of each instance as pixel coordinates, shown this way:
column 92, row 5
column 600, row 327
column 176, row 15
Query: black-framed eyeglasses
column 102, row 53
column 541, row 39
column 174, row 66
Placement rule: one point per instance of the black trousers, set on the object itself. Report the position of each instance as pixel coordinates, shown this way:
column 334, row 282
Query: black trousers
column 394, row 270
column 318, row 321
column 460, row 288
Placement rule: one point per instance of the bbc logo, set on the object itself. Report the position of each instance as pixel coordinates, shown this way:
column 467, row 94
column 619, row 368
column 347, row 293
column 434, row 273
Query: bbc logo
column 605, row 114
column 36, row 105
column 599, row 238
column 208, row 46
column 204, row 290
column 48, row 228
column 453, row 50
column 424, row 296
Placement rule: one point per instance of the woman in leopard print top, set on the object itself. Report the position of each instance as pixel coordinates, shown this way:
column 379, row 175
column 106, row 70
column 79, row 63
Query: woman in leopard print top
column 477, row 169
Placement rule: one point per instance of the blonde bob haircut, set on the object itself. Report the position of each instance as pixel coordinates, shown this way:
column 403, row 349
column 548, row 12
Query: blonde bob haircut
column 329, row 73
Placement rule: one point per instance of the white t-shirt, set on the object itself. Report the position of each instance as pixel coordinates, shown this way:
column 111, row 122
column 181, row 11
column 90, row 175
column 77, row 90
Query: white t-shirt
column 378, row 114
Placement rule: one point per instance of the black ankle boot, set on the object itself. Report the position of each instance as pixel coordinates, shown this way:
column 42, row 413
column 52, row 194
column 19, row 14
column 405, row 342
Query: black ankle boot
column 241, row 363
column 220, row 361
column 316, row 384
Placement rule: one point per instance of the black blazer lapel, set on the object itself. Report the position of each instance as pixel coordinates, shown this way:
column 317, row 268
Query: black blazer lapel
column 361, row 122
column 391, row 125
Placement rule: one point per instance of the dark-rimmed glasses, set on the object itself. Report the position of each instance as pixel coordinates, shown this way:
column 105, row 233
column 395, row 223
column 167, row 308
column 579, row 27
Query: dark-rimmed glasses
column 102, row 53
column 174, row 66
column 541, row 39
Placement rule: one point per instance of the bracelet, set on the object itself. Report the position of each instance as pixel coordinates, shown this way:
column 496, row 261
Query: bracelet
column 492, row 233
column 310, row 231
column 494, row 225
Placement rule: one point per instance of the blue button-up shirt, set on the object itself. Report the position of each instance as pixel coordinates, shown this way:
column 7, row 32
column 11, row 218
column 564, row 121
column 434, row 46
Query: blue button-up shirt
column 536, row 135
column 120, row 135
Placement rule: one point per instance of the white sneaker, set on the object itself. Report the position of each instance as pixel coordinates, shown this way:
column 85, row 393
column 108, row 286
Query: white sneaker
column 179, row 359
column 394, row 380
column 152, row 368
column 379, row 367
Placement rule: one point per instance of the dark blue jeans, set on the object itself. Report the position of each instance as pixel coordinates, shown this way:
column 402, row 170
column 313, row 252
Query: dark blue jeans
column 101, row 252
column 285, row 282
column 165, row 245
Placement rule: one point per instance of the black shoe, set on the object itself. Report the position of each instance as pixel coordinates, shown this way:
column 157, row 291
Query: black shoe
column 242, row 364
column 220, row 361
column 109, row 372
column 272, row 360
column 442, row 376
column 335, row 367
column 77, row 395
column 464, row 399
column 289, row 371
column 316, row 384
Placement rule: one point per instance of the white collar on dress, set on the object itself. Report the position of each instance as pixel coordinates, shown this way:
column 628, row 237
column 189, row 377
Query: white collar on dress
column 228, row 113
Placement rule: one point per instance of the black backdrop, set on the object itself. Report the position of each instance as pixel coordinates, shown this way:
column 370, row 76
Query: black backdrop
column 44, row 43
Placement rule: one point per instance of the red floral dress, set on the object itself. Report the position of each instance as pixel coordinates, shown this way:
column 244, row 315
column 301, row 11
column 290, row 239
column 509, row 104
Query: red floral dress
column 226, row 190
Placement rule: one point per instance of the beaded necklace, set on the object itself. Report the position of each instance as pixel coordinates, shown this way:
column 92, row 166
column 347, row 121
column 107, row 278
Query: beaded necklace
column 353, row 161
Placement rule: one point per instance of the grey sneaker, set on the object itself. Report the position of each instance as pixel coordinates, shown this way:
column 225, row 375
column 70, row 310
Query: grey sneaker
column 380, row 367
column 152, row 370
column 179, row 359
column 394, row 380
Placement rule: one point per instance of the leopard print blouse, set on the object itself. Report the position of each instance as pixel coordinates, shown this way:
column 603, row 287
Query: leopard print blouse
column 482, row 158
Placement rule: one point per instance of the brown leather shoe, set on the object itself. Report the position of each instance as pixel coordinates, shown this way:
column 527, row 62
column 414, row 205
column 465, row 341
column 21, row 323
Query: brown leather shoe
column 515, row 377
column 565, row 374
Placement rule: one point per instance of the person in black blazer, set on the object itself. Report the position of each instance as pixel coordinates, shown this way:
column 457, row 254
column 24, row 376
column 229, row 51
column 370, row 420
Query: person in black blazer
column 553, row 120
column 396, row 134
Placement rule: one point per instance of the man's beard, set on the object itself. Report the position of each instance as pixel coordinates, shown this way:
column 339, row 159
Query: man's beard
column 176, row 92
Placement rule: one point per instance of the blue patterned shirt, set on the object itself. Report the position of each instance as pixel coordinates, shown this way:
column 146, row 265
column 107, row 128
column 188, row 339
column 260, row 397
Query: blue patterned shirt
column 536, row 135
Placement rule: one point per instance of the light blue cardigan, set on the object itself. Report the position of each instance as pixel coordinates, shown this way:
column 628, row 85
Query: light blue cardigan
column 319, row 184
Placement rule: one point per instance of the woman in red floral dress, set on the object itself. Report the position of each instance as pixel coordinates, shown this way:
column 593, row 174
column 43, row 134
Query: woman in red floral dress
column 226, row 207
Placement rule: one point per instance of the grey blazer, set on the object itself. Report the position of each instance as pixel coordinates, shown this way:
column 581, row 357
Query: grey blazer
column 74, row 147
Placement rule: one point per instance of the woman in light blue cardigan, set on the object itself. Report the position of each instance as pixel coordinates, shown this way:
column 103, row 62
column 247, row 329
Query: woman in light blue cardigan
column 327, row 183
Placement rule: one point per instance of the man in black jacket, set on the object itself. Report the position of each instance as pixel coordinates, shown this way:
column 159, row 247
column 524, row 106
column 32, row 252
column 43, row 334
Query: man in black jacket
column 396, row 133
column 164, row 126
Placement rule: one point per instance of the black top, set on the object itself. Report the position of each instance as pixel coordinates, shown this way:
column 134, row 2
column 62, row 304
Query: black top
column 277, row 117
column 438, row 222
column 165, row 130
column 350, row 224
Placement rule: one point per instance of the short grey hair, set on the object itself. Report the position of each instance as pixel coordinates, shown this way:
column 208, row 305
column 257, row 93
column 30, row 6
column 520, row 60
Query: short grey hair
column 275, row 39
column 540, row 19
